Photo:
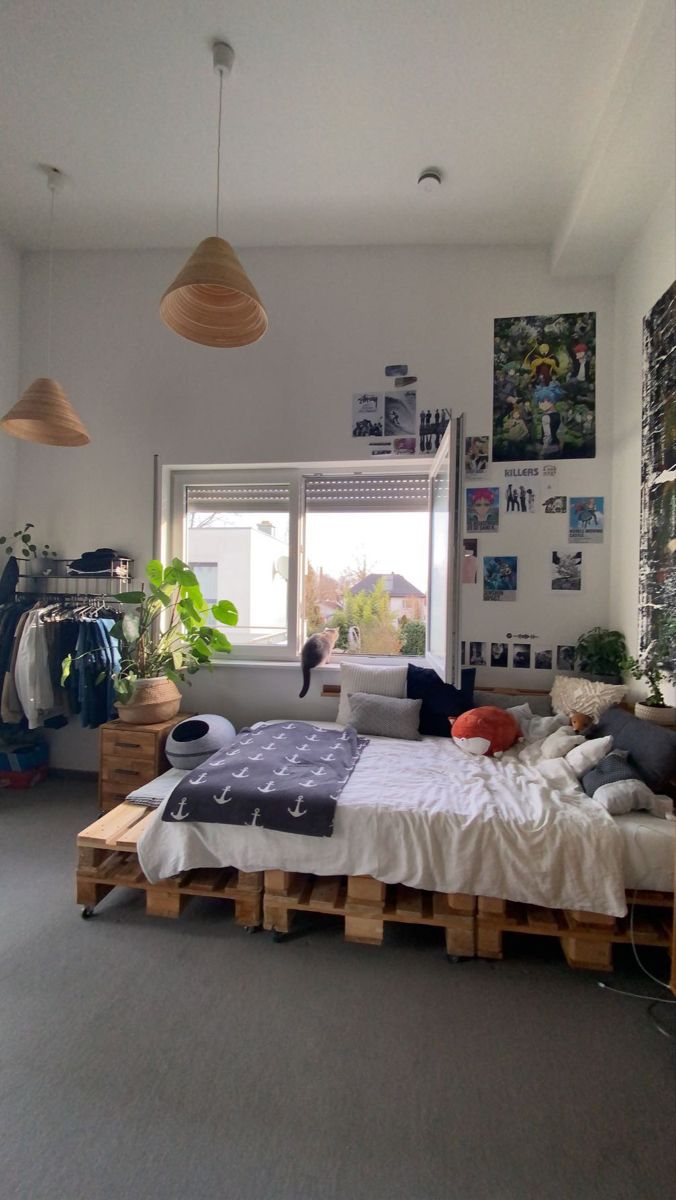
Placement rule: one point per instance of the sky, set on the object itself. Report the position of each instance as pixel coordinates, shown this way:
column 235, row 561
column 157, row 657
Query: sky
column 388, row 541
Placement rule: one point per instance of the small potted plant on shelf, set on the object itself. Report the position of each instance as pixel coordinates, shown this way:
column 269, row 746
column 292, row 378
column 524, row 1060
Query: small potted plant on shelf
column 652, row 665
column 600, row 655
column 20, row 543
column 163, row 637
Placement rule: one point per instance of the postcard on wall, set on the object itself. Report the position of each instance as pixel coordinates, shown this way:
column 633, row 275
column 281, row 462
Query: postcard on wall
column 521, row 497
column 544, row 387
column 499, row 653
column 432, row 425
column 476, row 455
column 404, row 445
column 400, row 414
column 521, row 654
column 500, row 577
column 566, row 570
column 555, row 504
column 470, row 552
column 585, row 519
column 565, row 658
column 542, row 658
column 483, row 509
column 381, row 447
column 368, row 414
column 477, row 654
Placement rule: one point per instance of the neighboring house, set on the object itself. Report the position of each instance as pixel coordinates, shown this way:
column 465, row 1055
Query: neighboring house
column 406, row 600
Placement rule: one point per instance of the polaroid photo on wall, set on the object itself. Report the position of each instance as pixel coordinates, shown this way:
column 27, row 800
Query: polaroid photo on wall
column 368, row 414
column 542, row 658
column 521, row 498
column 400, row 414
column 555, row 504
column 483, row 509
column 585, row 519
column 476, row 455
column 521, row 654
column 477, row 654
column 499, row 654
column 432, row 425
column 566, row 570
column 470, row 559
column 565, row 658
column 500, row 577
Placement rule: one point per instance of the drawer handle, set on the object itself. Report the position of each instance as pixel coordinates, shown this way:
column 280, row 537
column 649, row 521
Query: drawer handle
column 129, row 745
column 125, row 771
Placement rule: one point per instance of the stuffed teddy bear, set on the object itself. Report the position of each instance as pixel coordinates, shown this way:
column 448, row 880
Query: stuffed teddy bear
column 581, row 722
column 487, row 730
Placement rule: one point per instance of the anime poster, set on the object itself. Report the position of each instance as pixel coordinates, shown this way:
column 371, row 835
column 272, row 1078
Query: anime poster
column 500, row 578
column 585, row 519
column 477, row 654
column 400, row 418
column 542, row 658
column 521, row 497
column 555, row 504
column 521, row 654
column 544, row 395
column 657, row 561
column 499, row 652
column 368, row 414
column 432, row 425
column 483, row 509
column 565, row 658
column 476, row 455
column 470, row 559
column 566, row 571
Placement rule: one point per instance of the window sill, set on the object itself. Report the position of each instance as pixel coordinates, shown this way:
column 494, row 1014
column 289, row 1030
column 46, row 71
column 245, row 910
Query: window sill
column 293, row 664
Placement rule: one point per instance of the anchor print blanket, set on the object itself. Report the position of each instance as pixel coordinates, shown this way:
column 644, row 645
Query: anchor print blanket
column 286, row 776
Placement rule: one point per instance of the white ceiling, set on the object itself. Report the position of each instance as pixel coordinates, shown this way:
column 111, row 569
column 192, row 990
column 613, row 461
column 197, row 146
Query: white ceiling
column 333, row 108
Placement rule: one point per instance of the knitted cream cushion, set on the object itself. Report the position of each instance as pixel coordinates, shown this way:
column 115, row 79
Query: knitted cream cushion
column 378, row 681
column 584, row 695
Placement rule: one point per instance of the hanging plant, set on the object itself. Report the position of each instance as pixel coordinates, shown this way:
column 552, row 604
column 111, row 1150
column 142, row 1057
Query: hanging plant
column 21, row 543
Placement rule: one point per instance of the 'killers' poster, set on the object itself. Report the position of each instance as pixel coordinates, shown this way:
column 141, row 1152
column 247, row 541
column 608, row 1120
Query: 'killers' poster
column 544, row 387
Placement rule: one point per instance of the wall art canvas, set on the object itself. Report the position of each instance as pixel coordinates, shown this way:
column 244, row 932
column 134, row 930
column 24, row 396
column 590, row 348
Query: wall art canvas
column 476, row 455
column 483, row 509
column 521, row 497
column 566, row 570
column 585, row 519
column 657, row 561
column 368, row 414
column 500, row 577
column 544, row 387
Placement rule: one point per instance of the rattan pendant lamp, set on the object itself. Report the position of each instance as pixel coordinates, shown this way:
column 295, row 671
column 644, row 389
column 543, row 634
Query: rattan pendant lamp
column 212, row 301
column 44, row 413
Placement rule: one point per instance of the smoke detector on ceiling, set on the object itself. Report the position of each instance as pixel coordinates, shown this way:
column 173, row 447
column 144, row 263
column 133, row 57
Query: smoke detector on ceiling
column 429, row 180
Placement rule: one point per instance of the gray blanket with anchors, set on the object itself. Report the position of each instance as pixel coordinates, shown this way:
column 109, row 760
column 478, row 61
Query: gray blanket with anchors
column 286, row 776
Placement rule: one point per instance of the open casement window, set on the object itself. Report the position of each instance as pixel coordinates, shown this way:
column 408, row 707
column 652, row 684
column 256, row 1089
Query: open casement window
column 445, row 558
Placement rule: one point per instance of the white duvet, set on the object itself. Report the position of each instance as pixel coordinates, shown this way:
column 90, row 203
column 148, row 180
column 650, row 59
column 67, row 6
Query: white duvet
column 428, row 815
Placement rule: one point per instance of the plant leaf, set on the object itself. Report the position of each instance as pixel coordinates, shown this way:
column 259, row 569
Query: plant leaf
column 225, row 612
column 154, row 571
column 130, row 627
column 131, row 597
column 100, row 678
column 25, row 537
column 26, row 553
column 65, row 668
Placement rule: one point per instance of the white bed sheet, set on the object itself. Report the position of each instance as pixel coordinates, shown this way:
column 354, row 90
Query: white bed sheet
column 428, row 815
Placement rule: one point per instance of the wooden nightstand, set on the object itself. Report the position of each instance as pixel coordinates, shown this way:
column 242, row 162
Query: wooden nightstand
column 129, row 756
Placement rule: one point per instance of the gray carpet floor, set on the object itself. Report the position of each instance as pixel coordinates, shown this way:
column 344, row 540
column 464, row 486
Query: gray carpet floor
column 147, row 1058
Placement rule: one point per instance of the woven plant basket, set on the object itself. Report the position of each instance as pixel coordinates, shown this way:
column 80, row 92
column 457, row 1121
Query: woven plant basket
column 154, row 700
column 659, row 716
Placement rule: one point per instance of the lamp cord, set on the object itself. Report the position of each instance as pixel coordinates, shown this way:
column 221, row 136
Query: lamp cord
column 52, row 189
column 218, row 153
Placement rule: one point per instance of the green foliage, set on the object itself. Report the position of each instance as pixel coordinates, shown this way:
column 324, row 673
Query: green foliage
column 370, row 613
column 601, row 651
column 413, row 636
column 654, row 662
column 21, row 542
column 165, row 631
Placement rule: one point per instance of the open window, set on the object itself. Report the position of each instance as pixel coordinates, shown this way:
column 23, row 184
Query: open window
column 445, row 555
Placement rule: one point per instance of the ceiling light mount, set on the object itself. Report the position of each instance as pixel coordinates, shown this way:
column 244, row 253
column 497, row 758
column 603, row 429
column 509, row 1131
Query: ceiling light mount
column 224, row 57
column 430, row 179
column 55, row 178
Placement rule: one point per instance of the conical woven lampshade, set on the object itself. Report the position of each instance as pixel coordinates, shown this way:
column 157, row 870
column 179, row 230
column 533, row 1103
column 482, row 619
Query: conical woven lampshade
column 44, row 414
column 212, row 301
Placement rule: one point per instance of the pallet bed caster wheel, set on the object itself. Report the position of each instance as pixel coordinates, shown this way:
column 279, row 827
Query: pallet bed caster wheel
column 87, row 913
column 277, row 936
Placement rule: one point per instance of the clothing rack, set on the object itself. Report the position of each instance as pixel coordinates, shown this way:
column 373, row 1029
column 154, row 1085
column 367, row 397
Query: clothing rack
column 118, row 578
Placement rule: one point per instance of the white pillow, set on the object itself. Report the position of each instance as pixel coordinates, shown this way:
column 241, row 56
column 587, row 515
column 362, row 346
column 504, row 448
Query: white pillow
column 628, row 794
column 532, row 726
column 377, row 681
column 569, row 695
column 589, row 754
column 559, row 743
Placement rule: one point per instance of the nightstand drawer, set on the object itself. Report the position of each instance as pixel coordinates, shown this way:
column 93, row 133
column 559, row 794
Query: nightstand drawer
column 126, row 775
column 127, row 745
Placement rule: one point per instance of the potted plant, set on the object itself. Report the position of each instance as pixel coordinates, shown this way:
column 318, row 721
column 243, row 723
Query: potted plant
column 651, row 665
column 14, row 544
column 600, row 654
column 163, row 637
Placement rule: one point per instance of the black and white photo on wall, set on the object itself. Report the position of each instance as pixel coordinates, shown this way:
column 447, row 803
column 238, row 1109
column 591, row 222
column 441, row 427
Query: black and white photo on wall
column 477, row 654
column 657, row 555
column 521, row 654
column 555, row 504
column 566, row 570
column 368, row 414
column 565, row 658
column 400, row 414
column 476, row 455
column 542, row 658
column 499, row 654
column 521, row 498
column 432, row 425
column 544, row 387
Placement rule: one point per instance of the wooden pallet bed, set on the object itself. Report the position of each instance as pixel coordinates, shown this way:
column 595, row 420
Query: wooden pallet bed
column 107, row 859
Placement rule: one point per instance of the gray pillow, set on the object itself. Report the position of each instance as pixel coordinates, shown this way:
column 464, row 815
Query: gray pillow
column 652, row 749
column 383, row 716
column 540, row 706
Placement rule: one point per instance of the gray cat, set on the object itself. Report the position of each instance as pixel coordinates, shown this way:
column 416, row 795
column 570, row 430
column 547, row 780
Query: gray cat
column 315, row 652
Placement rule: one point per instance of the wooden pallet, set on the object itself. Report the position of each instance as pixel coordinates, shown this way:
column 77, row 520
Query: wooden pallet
column 586, row 938
column 366, row 904
column 107, row 859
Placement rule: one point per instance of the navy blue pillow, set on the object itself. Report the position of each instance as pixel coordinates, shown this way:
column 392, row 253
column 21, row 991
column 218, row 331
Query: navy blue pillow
column 652, row 747
column 439, row 700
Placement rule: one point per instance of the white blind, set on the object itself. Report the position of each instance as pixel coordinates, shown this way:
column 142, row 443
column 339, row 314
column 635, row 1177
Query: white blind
column 239, row 497
column 366, row 493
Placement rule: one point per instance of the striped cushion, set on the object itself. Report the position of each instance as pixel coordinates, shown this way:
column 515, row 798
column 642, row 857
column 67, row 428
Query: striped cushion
column 584, row 695
column 378, row 681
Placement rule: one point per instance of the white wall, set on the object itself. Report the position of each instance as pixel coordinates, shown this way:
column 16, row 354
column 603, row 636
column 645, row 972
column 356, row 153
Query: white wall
column 10, row 303
column 337, row 317
column 647, row 270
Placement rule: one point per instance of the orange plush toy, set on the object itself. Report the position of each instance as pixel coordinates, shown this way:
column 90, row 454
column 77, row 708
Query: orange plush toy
column 485, row 731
